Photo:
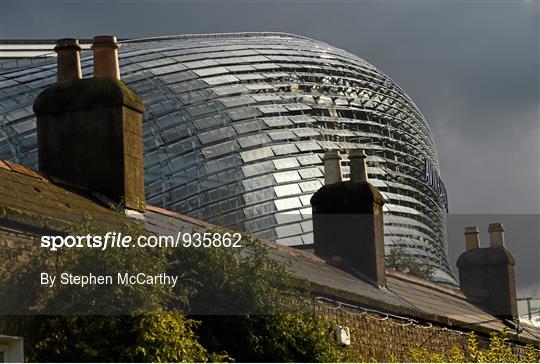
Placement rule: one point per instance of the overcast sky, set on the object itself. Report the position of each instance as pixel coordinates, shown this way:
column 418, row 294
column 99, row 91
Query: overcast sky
column 472, row 67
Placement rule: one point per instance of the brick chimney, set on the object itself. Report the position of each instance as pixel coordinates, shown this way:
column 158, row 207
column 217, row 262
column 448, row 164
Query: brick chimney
column 90, row 130
column 348, row 222
column 486, row 275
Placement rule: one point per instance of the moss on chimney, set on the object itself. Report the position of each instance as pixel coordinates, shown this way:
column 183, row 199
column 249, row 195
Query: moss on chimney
column 87, row 93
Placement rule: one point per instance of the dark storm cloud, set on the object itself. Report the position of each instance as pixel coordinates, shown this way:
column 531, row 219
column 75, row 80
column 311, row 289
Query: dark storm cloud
column 471, row 67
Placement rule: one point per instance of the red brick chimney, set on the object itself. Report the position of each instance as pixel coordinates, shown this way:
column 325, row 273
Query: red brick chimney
column 348, row 226
column 90, row 130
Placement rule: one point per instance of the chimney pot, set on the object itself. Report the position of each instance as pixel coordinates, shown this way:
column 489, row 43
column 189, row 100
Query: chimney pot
column 105, row 48
column 496, row 235
column 332, row 167
column 358, row 166
column 68, row 60
column 472, row 240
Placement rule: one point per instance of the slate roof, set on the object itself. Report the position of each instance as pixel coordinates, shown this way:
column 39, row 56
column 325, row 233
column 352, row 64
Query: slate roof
column 27, row 196
column 31, row 201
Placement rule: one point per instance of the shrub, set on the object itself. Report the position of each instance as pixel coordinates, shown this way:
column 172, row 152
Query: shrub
column 400, row 260
column 102, row 322
column 499, row 350
column 244, row 305
column 249, row 306
column 164, row 337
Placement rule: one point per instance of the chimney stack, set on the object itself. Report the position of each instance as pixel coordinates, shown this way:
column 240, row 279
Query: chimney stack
column 472, row 240
column 348, row 222
column 105, row 49
column 90, row 130
column 68, row 60
column 486, row 275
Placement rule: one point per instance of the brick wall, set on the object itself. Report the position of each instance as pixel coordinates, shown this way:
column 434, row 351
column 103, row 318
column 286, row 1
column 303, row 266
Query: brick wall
column 381, row 338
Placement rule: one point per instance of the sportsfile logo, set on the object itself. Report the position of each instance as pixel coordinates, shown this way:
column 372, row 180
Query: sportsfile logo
column 119, row 240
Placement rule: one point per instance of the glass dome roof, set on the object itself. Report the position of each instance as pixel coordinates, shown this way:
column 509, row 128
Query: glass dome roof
column 236, row 124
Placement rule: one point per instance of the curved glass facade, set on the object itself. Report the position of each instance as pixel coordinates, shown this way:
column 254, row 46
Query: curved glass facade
column 236, row 124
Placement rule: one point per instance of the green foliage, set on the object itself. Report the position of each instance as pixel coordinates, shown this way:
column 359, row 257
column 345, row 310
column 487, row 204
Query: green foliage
column 94, row 298
column 165, row 337
column 400, row 260
column 532, row 354
column 233, row 281
column 248, row 308
column 256, row 311
column 152, row 338
column 103, row 322
column 300, row 338
column 421, row 355
column 456, row 355
column 499, row 350
column 112, row 299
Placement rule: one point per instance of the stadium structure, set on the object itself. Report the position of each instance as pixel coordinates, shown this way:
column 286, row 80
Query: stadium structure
column 236, row 125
